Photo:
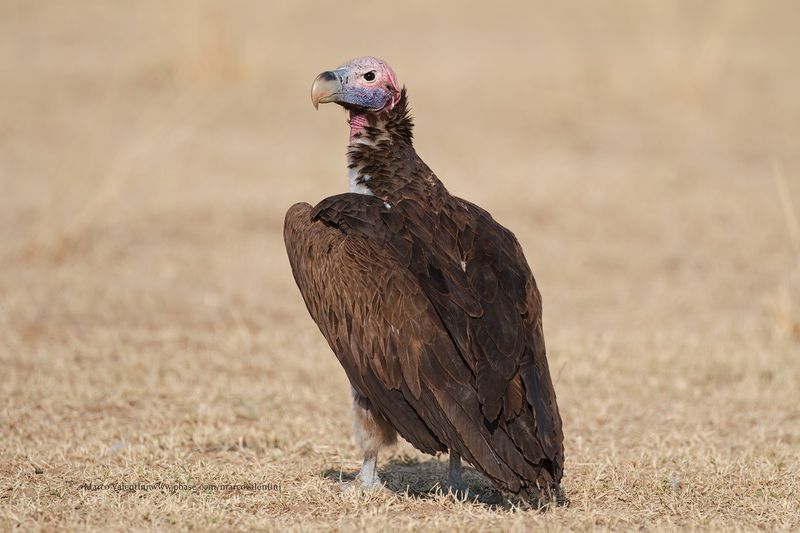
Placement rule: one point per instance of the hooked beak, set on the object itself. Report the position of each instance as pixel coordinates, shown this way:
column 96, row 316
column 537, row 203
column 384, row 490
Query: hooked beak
column 325, row 88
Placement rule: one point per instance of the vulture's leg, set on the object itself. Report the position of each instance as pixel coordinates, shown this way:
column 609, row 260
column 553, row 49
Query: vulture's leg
column 455, row 480
column 372, row 433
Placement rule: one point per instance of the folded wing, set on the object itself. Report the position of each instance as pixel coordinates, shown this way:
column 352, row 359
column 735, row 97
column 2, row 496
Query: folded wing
column 436, row 319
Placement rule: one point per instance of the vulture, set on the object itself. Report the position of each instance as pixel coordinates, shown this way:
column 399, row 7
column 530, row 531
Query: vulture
column 428, row 304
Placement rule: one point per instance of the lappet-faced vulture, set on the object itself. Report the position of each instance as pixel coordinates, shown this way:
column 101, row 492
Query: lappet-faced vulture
column 427, row 302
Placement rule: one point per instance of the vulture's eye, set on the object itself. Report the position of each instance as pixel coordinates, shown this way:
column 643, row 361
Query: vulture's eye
column 370, row 76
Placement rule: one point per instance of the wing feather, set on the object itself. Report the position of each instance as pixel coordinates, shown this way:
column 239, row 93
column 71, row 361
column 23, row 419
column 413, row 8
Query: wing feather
column 436, row 319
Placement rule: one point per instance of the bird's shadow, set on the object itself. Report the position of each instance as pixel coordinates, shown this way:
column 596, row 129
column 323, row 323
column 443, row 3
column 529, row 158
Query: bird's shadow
column 425, row 479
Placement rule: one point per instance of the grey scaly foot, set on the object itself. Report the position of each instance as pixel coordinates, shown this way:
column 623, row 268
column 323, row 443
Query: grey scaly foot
column 367, row 479
column 455, row 480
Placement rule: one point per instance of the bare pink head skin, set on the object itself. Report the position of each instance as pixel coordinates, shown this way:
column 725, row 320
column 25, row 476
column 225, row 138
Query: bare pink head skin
column 362, row 86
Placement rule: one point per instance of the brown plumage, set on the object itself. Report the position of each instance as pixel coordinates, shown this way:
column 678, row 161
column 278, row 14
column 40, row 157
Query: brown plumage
column 431, row 309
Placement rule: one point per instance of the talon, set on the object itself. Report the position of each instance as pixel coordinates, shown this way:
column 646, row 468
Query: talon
column 358, row 485
column 459, row 491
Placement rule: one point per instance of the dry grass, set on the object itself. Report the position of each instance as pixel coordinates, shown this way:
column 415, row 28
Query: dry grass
column 150, row 331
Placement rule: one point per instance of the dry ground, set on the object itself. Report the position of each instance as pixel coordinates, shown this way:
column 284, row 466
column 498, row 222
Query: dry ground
column 645, row 153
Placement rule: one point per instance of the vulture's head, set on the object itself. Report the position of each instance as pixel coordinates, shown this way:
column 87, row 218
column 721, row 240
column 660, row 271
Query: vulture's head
column 366, row 84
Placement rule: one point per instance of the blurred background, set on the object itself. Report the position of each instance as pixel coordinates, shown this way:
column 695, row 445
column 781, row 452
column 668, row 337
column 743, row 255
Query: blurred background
column 633, row 146
column 645, row 153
